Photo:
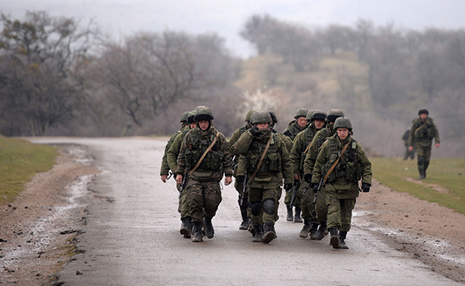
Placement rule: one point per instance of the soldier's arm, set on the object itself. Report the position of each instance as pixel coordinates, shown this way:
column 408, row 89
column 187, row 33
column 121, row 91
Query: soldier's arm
column 242, row 145
column 411, row 135
column 436, row 134
column 173, row 152
column 295, row 154
column 181, row 160
column 227, row 160
column 164, row 170
column 242, row 166
column 319, row 163
column 286, row 165
column 311, row 156
column 235, row 137
column 366, row 164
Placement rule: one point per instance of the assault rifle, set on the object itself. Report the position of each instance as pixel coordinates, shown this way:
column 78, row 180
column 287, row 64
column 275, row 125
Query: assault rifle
column 184, row 183
column 295, row 188
column 320, row 184
column 244, row 190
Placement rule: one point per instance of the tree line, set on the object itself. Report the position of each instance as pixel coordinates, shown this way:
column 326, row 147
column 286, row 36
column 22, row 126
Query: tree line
column 60, row 77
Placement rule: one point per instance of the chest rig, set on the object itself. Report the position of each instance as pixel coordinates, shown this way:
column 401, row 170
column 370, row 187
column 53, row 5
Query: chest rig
column 348, row 167
column 197, row 146
column 271, row 163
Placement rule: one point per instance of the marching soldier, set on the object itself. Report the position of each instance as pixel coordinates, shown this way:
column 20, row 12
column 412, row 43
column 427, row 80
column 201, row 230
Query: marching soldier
column 203, row 159
column 421, row 136
column 340, row 164
column 300, row 191
column 264, row 161
column 407, row 153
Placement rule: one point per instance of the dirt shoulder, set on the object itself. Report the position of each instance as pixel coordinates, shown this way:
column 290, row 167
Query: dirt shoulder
column 37, row 230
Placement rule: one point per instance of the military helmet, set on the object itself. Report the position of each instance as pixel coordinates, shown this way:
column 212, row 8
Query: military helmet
column 423, row 111
column 273, row 117
column 260, row 117
column 333, row 114
column 184, row 117
column 203, row 113
column 316, row 115
column 247, row 117
column 301, row 112
column 191, row 117
column 342, row 122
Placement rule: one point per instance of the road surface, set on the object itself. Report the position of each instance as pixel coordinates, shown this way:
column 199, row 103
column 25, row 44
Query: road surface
column 131, row 237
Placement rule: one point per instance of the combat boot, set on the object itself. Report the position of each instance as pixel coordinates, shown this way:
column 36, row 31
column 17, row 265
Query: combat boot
column 269, row 233
column 322, row 231
column 258, row 233
column 197, row 232
column 305, row 229
column 334, row 240
column 290, row 216
column 313, row 231
column 210, row 232
column 186, row 227
column 297, row 217
column 342, row 238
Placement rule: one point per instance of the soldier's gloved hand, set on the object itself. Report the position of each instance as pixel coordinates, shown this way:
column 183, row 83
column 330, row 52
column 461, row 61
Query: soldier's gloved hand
column 254, row 131
column 240, row 178
column 308, row 178
column 315, row 187
column 366, row 187
column 288, row 187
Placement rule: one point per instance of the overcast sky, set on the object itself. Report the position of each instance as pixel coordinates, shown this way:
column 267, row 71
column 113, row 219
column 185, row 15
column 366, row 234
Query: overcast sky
column 226, row 18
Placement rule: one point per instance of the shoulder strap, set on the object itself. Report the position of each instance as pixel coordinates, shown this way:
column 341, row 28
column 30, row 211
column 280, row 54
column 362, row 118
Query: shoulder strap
column 261, row 160
column 203, row 155
column 337, row 161
column 418, row 129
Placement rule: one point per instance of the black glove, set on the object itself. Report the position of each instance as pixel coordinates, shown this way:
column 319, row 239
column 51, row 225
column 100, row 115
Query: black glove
column 315, row 187
column 240, row 178
column 308, row 178
column 366, row 187
column 254, row 131
column 288, row 187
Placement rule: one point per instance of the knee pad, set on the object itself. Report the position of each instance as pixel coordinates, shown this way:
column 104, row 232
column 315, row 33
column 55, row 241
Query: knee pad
column 269, row 206
column 256, row 208
column 421, row 160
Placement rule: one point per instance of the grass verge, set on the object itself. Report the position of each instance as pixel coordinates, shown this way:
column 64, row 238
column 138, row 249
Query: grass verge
column 20, row 160
column 443, row 183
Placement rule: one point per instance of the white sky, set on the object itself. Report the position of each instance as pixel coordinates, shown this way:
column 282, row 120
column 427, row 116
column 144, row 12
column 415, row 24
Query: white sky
column 226, row 18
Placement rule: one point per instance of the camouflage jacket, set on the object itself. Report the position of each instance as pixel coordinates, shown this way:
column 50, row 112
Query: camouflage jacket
column 293, row 129
column 300, row 149
column 216, row 163
column 173, row 151
column 165, row 166
column 423, row 132
column 353, row 166
column 318, row 140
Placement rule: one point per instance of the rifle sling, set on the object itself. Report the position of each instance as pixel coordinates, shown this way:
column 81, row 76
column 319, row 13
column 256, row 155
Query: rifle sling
column 203, row 155
column 261, row 160
column 337, row 161
column 418, row 129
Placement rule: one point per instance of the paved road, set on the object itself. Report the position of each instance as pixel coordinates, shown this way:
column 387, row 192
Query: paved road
column 132, row 237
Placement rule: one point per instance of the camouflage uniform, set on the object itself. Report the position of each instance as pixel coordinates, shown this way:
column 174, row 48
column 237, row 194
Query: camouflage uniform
column 238, row 184
column 321, row 208
column 304, row 198
column 263, row 189
column 342, row 184
column 291, row 132
column 164, row 169
column 421, row 137
column 172, row 157
column 203, row 186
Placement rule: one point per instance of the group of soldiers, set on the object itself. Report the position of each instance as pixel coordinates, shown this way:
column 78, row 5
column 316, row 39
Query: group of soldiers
column 315, row 159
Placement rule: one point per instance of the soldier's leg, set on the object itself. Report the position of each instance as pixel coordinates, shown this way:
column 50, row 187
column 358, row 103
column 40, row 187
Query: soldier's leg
column 347, row 206
column 334, row 218
column 308, row 211
column 255, row 201
column 322, row 214
column 186, row 225
column 212, row 199
column 279, row 192
column 420, row 160
column 427, row 156
column 194, row 191
column 269, row 207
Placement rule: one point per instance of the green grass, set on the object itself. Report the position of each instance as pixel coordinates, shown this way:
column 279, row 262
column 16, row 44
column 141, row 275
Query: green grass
column 448, row 174
column 20, row 160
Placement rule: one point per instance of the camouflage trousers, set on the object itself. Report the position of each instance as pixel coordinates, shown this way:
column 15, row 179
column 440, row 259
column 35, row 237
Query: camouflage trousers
column 256, row 198
column 423, row 155
column 307, row 205
column 339, row 212
column 183, row 206
column 203, row 197
column 288, row 198
column 321, row 207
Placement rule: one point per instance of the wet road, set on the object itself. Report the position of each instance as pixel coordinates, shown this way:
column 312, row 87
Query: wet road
column 131, row 237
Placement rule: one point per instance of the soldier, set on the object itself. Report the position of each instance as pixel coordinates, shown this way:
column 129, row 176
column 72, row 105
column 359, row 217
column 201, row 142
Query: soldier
column 239, row 185
column 407, row 152
column 340, row 164
column 295, row 126
column 265, row 161
column 320, row 137
column 164, row 170
column 299, row 151
column 202, row 161
column 172, row 156
column 421, row 136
